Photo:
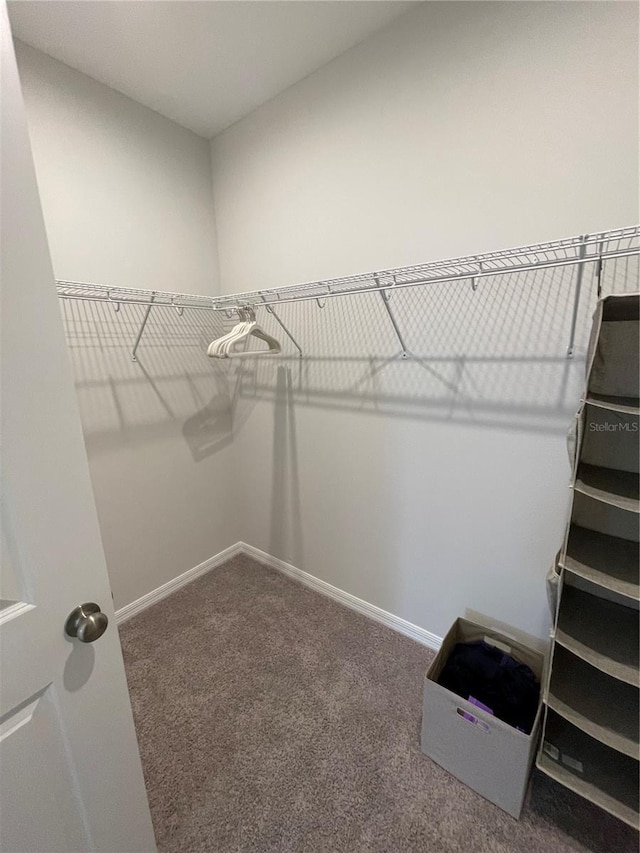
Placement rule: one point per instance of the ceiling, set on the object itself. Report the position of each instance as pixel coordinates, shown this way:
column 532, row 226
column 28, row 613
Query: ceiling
column 203, row 64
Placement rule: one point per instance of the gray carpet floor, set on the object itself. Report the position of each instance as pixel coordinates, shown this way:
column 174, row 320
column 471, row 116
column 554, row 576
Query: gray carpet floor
column 273, row 719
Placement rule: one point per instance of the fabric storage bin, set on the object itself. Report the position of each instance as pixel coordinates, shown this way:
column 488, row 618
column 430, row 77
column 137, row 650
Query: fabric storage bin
column 482, row 751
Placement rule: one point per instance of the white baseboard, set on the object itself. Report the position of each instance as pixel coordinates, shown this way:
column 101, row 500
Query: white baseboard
column 426, row 638
column 174, row 585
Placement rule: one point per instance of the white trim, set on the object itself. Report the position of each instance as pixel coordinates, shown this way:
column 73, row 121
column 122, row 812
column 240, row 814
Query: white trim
column 426, row 638
column 420, row 635
column 172, row 586
column 19, row 718
column 18, row 608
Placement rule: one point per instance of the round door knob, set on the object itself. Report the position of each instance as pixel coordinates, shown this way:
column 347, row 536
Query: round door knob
column 87, row 622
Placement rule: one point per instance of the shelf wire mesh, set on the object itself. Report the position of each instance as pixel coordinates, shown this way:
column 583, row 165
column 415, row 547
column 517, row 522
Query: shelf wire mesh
column 489, row 348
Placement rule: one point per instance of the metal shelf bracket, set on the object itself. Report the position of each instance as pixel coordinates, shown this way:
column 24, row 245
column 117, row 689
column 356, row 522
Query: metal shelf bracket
column 271, row 311
column 144, row 323
column 404, row 352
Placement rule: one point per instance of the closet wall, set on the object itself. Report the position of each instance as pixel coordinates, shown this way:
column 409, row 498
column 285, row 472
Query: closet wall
column 423, row 487
column 463, row 127
column 126, row 192
column 127, row 201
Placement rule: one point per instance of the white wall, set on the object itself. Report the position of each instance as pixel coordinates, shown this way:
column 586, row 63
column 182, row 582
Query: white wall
column 126, row 192
column 461, row 128
column 431, row 488
column 126, row 196
column 426, row 488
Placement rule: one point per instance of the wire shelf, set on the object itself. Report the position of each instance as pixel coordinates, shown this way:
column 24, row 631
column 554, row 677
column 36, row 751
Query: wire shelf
column 564, row 255
column 574, row 250
column 620, row 242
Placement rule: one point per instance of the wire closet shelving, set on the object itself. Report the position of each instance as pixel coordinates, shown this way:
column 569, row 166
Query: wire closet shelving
column 574, row 251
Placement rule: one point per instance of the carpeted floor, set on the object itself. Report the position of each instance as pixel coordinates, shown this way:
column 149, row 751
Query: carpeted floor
column 273, row 720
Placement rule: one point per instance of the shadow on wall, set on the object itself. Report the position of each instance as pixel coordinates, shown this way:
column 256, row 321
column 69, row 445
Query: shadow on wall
column 285, row 503
column 386, row 500
column 172, row 388
column 492, row 357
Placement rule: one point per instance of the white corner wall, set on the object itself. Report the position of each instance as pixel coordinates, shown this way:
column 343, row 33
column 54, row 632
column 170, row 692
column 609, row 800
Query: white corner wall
column 126, row 193
column 461, row 128
column 127, row 201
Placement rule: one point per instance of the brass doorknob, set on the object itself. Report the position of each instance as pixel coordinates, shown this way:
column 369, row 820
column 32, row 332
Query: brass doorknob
column 87, row 622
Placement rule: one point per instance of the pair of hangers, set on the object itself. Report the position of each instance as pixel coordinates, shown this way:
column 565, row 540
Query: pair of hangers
column 224, row 347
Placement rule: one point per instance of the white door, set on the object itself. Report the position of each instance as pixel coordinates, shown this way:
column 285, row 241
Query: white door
column 70, row 773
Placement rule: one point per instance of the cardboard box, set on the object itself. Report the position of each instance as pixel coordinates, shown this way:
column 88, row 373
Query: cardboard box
column 485, row 753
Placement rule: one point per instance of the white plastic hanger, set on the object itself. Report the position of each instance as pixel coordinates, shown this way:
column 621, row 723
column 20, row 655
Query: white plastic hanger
column 224, row 347
column 215, row 350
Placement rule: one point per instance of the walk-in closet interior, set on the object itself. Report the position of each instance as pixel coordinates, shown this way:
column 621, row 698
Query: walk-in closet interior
column 337, row 312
